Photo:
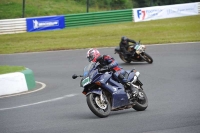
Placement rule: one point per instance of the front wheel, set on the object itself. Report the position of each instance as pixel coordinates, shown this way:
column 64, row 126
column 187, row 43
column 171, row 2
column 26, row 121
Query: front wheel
column 100, row 109
column 142, row 103
column 147, row 58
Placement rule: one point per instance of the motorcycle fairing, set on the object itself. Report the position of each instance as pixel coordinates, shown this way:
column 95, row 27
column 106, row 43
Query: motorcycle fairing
column 119, row 96
column 129, row 75
column 133, row 58
column 96, row 91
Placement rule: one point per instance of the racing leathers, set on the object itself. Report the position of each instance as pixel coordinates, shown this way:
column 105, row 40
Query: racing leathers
column 108, row 62
column 124, row 45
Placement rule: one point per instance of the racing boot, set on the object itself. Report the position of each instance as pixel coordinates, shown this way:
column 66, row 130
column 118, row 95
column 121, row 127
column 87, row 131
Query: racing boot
column 124, row 81
column 132, row 94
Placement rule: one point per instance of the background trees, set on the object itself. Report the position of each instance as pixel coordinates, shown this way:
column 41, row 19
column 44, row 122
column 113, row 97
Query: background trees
column 115, row 4
column 33, row 8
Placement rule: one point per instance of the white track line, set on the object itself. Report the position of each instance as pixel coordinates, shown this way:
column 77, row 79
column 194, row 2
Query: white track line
column 26, row 105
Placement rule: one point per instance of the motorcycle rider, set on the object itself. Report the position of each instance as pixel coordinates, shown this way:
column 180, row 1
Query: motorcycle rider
column 124, row 45
column 108, row 63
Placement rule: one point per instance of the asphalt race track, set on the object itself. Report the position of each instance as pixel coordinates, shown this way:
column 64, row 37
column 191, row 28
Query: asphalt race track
column 172, row 84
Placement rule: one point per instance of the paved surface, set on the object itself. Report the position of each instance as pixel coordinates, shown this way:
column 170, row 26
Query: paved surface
column 172, row 84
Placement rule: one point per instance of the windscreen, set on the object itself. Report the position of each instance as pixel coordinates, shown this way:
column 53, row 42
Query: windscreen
column 88, row 68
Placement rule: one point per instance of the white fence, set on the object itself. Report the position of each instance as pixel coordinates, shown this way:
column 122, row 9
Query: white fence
column 199, row 7
column 10, row 26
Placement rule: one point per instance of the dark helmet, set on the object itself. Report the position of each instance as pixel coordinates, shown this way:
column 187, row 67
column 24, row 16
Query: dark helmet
column 124, row 39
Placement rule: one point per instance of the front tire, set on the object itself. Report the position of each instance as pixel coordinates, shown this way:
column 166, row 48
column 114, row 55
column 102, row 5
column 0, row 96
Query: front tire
column 97, row 107
column 147, row 58
column 141, row 105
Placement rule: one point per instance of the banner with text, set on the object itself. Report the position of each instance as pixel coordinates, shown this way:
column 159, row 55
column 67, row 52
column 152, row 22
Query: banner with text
column 45, row 23
column 161, row 12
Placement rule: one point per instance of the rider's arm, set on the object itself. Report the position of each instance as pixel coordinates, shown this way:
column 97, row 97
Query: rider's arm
column 133, row 41
column 110, row 61
column 130, row 40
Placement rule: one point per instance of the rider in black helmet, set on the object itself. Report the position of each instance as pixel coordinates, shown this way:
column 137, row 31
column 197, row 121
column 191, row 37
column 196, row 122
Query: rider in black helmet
column 124, row 44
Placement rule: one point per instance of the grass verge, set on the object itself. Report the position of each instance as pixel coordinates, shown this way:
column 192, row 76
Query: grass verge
column 10, row 69
column 183, row 29
column 13, row 8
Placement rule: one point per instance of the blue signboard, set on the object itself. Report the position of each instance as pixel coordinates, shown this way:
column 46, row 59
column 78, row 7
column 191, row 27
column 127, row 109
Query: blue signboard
column 45, row 23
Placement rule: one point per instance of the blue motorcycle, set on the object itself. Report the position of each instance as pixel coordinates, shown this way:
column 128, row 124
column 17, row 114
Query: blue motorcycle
column 104, row 93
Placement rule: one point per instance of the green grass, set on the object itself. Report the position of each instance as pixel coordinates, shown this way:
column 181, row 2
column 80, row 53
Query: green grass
column 13, row 8
column 10, row 69
column 183, row 29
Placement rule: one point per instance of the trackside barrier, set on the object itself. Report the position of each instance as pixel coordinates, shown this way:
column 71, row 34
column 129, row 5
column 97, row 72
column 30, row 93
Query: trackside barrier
column 45, row 23
column 17, row 82
column 199, row 7
column 164, row 12
column 73, row 20
column 10, row 26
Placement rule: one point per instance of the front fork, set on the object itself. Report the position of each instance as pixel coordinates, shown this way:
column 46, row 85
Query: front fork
column 98, row 92
column 142, row 56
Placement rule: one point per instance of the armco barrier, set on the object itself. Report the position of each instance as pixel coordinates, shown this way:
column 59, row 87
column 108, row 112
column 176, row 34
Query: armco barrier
column 98, row 18
column 10, row 26
column 17, row 82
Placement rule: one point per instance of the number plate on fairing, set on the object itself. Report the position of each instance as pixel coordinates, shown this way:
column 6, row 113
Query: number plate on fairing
column 86, row 81
column 137, row 47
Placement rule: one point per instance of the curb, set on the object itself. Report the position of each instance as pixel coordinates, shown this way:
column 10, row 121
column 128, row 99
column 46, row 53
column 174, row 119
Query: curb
column 30, row 80
column 17, row 82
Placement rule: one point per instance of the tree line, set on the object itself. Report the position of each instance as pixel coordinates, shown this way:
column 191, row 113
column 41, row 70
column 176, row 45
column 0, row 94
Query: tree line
column 124, row 4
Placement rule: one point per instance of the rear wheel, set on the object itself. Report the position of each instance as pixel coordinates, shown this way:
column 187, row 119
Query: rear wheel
column 142, row 103
column 123, row 59
column 100, row 109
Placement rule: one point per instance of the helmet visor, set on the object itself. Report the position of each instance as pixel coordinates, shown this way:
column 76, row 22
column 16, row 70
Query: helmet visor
column 90, row 58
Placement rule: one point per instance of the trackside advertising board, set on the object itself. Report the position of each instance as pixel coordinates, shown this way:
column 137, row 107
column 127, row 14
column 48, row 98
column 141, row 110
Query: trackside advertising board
column 45, row 23
column 161, row 12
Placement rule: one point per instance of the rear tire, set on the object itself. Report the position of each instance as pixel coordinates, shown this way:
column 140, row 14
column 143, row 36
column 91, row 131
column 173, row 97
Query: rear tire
column 123, row 59
column 141, row 105
column 99, row 109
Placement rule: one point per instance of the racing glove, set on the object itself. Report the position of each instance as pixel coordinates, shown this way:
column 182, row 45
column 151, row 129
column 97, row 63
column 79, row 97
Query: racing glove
column 106, row 67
